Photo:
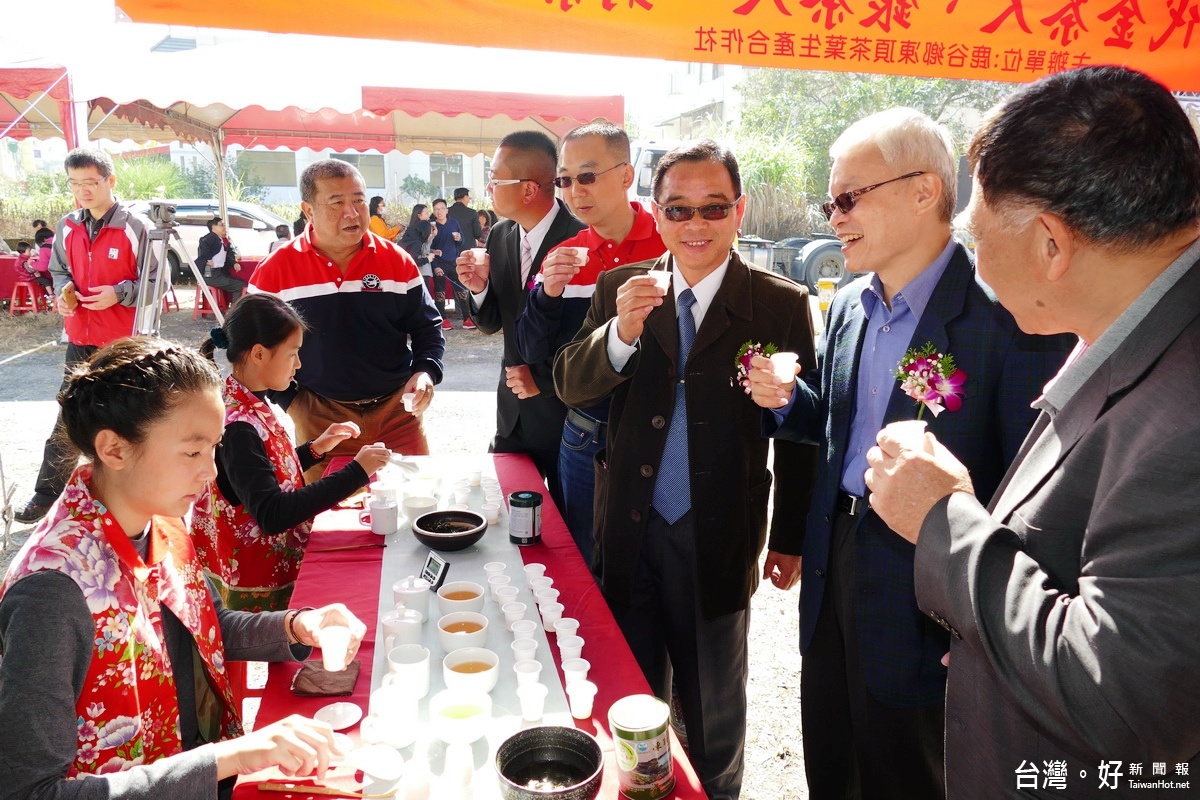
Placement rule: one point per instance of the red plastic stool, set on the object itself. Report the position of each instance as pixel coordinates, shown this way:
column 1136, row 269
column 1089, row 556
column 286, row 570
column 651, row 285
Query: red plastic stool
column 28, row 297
column 169, row 300
column 202, row 308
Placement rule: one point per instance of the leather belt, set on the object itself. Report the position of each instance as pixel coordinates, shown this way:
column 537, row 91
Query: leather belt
column 368, row 403
column 585, row 423
column 852, row 505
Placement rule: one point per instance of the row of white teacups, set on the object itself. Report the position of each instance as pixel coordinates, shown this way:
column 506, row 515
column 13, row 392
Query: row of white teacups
column 384, row 513
column 455, row 713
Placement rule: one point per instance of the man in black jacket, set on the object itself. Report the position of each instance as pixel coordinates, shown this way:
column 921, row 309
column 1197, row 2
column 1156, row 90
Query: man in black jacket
column 218, row 260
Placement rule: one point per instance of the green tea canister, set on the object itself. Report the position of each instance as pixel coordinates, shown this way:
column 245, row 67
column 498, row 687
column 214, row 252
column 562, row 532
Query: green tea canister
column 525, row 518
column 641, row 739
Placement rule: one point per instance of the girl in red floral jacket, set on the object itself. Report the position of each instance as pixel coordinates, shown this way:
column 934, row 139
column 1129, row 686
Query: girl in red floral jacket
column 251, row 525
column 113, row 681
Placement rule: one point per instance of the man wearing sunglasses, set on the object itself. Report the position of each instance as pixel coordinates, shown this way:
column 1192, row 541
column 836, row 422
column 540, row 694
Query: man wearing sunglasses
column 683, row 487
column 872, row 682
column 594, row 175
column 529, row 416
column 1070, row 593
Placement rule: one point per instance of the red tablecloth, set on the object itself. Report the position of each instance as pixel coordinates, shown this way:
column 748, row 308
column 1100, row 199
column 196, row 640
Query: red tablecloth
column 352, row 577
column 8, row 275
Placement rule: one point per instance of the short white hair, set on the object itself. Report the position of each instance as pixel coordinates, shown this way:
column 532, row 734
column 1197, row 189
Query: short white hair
column 908, row 140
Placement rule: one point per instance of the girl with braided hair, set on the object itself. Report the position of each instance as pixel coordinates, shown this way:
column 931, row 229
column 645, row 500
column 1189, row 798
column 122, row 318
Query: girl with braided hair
column 251, row 525
column 114, row 680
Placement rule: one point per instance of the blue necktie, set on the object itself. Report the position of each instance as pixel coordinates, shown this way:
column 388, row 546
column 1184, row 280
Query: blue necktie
column 673, row 489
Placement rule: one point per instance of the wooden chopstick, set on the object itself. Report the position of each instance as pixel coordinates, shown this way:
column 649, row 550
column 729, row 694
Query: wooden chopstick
column 308, row 788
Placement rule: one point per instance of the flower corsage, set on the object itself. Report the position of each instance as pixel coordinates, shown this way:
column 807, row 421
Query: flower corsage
column 748, row 351
column 932, row 379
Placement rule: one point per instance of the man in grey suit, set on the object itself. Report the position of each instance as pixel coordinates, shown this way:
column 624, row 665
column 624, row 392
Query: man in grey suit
column 1072, row 600
column 681, row 495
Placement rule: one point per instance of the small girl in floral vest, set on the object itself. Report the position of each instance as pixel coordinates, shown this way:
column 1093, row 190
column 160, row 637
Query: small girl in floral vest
column 113, row 647
column 251, row 525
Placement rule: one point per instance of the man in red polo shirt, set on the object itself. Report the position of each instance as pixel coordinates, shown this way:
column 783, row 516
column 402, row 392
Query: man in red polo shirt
column 374, row 334
column 99, row 251
column 594, row 173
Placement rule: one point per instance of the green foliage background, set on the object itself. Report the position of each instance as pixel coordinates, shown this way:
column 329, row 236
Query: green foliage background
column 791, row 117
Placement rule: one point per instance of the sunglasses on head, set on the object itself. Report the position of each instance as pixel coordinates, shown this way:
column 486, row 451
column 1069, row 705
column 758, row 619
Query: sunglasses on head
column 846, row 200
column 714, row 212
column 584, row 178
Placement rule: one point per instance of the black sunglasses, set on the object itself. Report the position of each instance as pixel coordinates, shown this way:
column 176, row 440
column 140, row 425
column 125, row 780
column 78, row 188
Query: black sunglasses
column 846, row 200
column 717, row 211
column 584, row 178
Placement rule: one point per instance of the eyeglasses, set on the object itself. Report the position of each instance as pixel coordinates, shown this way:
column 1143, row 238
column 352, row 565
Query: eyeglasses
column 584, row 178
column 88, row 184
column 492, row 181
column 714, row 212
column 845, row 201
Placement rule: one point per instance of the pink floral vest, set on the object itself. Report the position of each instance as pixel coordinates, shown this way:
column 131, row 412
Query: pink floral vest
column 128, row 712
column 254, row 570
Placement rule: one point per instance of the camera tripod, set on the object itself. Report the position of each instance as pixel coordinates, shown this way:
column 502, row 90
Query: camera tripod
column 150, row 293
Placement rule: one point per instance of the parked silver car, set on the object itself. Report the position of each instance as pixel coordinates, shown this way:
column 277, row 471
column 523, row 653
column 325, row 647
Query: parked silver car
column 251, row 229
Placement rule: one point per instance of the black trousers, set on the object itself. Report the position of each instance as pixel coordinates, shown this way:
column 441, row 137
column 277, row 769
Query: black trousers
column 668, row 634
column 854, row 745
column 545, row 458
column 59, row 456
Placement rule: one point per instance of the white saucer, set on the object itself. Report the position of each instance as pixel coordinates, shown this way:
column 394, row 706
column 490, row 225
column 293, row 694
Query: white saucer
column 378, row 761
column 339, row 716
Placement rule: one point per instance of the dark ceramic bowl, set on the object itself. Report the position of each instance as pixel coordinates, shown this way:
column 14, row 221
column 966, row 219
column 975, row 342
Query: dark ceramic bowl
column 449, row 530
column 550, row 763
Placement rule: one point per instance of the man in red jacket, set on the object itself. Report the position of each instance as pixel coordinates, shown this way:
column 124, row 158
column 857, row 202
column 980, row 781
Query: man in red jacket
column 98, row 250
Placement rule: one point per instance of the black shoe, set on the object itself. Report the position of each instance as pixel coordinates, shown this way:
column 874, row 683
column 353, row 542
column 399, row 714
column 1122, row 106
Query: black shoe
column 33, row 511
column 677, row 719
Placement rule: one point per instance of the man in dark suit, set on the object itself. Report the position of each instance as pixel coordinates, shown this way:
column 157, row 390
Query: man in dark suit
column 218, row 260
column 682, row 495
column 1071, row 601
column 872, row 682
column 468, row 224
column 529, row 416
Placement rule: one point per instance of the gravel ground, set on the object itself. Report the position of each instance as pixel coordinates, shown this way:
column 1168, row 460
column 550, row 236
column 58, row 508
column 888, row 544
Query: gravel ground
column 461, row 420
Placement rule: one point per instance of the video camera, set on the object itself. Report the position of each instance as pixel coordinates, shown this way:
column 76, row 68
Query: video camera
column 162, row 213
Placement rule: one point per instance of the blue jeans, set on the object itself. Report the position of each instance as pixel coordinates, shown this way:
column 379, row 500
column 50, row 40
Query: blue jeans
column 577, row 477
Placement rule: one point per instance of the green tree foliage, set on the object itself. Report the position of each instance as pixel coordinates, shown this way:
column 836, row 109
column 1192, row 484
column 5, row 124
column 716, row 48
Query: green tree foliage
column 808, row 110
column 774, row 179
column 148, row 177
column 241, row 181
column 420, row 190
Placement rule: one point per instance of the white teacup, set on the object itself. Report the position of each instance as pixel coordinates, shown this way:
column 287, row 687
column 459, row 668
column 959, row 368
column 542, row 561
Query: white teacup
column 581, row 694
column 460, row 596
column 334, row 641
column 580, row 254
column 479, row 254
column 575, row 669
column 473, row 669
column 910, row 433
column 462, row 629
column 408, row 668
column 533, row 701
column 382, row 516
column 417, row 505
column 662, row 279
column 784, row 365
column 458, row 717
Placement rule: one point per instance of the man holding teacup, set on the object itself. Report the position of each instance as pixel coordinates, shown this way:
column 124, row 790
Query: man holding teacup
column 872, row 683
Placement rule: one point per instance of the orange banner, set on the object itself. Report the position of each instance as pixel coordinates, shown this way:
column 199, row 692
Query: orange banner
column 1004, row 40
